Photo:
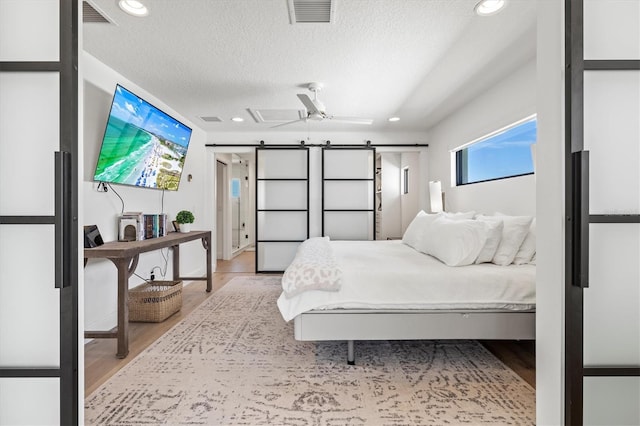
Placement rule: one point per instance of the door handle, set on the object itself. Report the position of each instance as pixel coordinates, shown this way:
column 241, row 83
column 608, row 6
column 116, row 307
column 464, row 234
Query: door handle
column 580, row 240
column 62, row 219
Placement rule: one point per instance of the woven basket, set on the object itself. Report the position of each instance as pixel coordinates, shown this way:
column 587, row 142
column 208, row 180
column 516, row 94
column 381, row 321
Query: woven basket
column 155, row 301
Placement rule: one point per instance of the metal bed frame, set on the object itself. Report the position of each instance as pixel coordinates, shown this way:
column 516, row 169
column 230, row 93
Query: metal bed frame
column 414, row 324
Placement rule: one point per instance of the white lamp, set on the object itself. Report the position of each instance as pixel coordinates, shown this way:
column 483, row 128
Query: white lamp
column 435, row 196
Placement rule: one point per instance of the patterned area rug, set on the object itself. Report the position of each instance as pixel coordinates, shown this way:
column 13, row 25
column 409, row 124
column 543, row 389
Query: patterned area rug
column 234, row 361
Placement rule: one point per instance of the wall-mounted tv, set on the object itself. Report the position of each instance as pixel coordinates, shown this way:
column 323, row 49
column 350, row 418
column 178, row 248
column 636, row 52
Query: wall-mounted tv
column 142, row 146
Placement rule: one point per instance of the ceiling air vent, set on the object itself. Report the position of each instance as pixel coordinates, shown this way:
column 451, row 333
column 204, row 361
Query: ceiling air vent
column 211, row 119
column 91, row 15
column 275, row 115
column 311, row 11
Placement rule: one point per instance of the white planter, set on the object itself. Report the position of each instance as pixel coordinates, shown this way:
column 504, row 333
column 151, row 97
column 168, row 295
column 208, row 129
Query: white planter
column 185, row 227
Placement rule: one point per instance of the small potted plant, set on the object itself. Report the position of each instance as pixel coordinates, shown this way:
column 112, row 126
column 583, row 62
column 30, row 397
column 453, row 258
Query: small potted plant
column 185, row 218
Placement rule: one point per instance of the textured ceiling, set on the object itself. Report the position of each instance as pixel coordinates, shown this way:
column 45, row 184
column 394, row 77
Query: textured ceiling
column 418, row 59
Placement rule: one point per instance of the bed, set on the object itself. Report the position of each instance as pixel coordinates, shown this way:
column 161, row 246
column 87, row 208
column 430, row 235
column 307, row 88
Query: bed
column 389, row 291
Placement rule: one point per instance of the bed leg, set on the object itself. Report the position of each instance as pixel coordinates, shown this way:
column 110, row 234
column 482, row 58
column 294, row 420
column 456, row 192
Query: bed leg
column 351, row 357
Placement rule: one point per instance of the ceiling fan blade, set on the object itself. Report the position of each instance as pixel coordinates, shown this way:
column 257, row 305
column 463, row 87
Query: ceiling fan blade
column 352, row 120
column 308, row 103
column 289, row 122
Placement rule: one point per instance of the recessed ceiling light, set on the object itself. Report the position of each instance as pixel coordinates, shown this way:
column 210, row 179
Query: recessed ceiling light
column 394, row 119
column 489, row 7
column 133, row 7
column 237, row 119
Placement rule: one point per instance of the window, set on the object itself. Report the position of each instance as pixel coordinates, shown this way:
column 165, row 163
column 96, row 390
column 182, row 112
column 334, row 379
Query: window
column 235, row 188
column 503, row 154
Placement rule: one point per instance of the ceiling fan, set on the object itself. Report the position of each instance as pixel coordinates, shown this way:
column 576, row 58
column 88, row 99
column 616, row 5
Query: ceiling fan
column 316, row 110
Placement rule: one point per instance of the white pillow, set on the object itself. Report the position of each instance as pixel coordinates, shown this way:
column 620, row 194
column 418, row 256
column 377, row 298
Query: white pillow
column 513, row 234
column 453, row 242
column 494, row 236
column 528, row 247
column 416, row 227
column 459, row 215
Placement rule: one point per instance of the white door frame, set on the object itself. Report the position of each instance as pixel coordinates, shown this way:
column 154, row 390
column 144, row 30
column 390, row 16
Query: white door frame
column 223, row 160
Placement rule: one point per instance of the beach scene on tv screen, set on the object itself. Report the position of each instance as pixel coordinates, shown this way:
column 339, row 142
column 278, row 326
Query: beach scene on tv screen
column 142, row 145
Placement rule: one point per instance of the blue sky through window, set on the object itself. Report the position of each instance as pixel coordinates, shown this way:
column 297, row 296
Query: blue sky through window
column 503, row 155
column 235, row 188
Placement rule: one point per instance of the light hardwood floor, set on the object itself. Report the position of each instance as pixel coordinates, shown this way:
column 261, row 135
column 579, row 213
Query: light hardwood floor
column 101, row 362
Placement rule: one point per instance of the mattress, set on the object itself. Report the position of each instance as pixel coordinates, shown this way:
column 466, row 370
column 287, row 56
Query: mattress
column 392, row 275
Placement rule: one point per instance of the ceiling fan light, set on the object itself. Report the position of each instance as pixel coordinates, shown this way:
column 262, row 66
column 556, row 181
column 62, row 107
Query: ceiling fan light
column 489, row 7
column 133, row 7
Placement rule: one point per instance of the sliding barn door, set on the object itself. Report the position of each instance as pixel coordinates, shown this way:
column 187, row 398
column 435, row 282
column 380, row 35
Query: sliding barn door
column 282, row 205
column 603, row 205
column 348, row 192
column 38, row 212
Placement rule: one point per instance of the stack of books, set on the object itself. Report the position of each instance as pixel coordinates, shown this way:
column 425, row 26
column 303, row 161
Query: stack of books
column 155, row 225
column 148, row 225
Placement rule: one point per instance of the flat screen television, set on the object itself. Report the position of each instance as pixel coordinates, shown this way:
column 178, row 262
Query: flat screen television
column 142, row 146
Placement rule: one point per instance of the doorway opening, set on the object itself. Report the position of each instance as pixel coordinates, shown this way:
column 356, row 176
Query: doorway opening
column 235, row 203
column 221, row 173
column 241, row 204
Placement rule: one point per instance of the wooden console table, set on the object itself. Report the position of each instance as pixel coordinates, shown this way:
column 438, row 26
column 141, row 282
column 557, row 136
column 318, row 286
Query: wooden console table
column 125, row 256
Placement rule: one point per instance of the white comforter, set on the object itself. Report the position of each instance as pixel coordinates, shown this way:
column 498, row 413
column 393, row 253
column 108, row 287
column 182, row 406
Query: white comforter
column 391, row 275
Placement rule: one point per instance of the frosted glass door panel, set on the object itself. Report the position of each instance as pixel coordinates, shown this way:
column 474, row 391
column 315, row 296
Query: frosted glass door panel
column 29, row 135
column 612, row 135
column 282, row 164
column 29, row 302
column 275, row 256
column 348, row 164
column 603, row 42
column 348, row 225
column 611, row 401
column 282, row 225
column 29, row 401
column 346, row 195
column 611, row 314
column 31, row 34
column 285, row 195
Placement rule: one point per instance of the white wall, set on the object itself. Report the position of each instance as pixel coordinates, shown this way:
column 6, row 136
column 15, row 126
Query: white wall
column 513, row 99
column 103, row 209
column 391, row 219
column 316, row 136
column 550, row 215
column 411, row 201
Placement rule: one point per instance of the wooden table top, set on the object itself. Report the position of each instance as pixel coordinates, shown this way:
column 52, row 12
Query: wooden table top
column 125, row 249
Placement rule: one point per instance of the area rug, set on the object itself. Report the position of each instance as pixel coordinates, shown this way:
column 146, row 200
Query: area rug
column 234, row 361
